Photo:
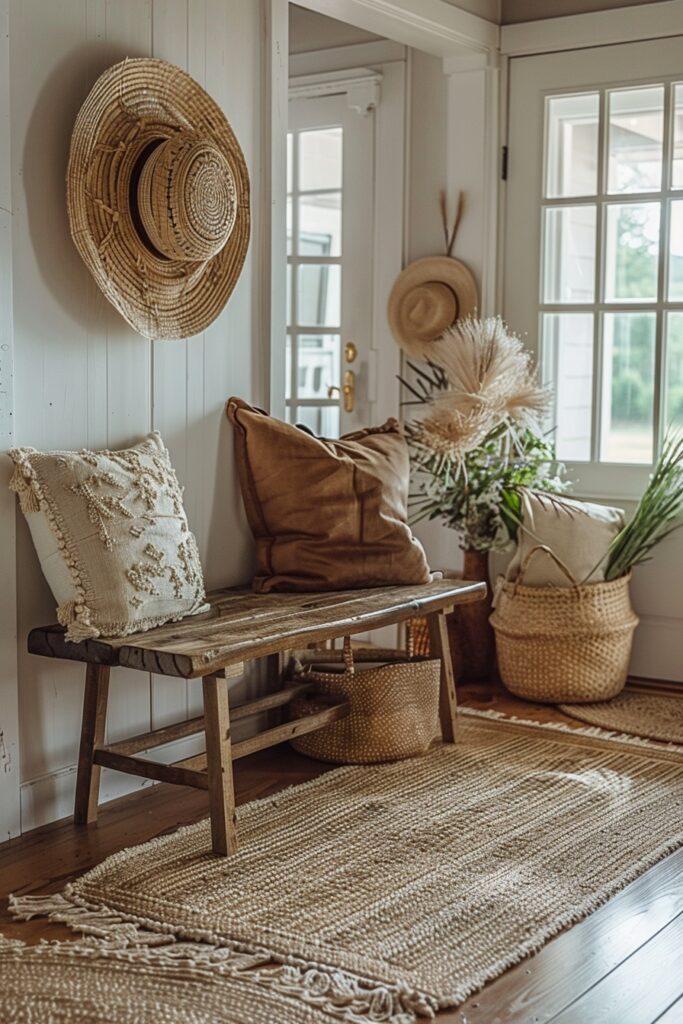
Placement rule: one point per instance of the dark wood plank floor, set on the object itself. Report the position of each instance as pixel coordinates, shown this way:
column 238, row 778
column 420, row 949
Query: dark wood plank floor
column 621, row 965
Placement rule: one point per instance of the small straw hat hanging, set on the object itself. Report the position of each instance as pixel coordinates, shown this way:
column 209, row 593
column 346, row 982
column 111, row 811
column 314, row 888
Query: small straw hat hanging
column 431, row 294
column 158, row 198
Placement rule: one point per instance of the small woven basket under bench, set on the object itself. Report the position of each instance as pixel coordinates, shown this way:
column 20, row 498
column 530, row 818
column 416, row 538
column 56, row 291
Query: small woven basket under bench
column 393, row 698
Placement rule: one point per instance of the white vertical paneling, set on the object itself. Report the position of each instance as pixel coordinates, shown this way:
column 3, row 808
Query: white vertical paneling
column 169, row 358
column 388, row 234
column 84, row 378
column 96, row 309
column 128, row 26
column 473, row 86
column 428, row 90
column 232, row 355
column 199, row 472
column 195, row 468
column 10, row 823
column 48, row 84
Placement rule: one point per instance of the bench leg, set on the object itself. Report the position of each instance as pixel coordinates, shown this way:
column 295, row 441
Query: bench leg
column 219, row 765
column 448, row 701
column 92, row 735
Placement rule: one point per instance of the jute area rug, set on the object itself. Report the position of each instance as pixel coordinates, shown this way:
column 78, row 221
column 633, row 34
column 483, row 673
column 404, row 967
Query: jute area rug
column 385, row 892
column 656, row 716
column 71, row 982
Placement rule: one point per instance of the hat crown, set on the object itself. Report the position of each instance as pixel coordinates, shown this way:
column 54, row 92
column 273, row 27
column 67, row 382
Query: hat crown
column 429, row 308
column 187, row 198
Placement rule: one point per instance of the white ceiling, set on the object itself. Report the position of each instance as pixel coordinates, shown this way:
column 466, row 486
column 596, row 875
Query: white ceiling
column 489, row 9
column 311, row 31
column 532, row 10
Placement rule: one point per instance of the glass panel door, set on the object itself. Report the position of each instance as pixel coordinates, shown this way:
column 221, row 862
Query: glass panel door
column 329, row 253
column 594, row 249
column 593, row 280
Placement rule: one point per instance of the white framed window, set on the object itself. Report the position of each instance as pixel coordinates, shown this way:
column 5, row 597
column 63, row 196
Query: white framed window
column 610, row 290
column 314, row 276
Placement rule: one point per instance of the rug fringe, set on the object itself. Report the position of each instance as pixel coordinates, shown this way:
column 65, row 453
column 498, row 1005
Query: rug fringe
column 101, row 922
column 344, row 996
column 594, row 731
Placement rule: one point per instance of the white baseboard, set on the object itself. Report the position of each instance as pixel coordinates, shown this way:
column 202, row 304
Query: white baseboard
column 658, row 651
column 51, row 797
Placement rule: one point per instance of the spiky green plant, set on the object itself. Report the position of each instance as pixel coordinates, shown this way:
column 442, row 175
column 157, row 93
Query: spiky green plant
column 655, row 518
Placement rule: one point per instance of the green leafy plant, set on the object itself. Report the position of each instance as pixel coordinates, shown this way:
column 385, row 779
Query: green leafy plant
column 482, row 501
column 479, row 437
column 656, row 514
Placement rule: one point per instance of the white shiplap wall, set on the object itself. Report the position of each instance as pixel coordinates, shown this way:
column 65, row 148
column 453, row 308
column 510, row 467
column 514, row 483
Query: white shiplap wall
column 82, row 376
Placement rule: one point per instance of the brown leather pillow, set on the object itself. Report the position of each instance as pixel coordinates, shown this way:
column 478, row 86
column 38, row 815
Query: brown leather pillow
column 326, row 515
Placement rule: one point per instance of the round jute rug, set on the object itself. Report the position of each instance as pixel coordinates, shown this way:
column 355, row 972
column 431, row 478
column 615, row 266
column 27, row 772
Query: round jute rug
column 654, row 716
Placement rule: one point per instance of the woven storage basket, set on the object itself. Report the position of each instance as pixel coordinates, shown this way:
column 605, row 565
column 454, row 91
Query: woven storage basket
column 419, row 632
column 564, row 644
column 394, row 704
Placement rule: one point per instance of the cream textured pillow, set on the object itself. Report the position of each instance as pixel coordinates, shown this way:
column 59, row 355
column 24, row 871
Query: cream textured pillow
column 112, row 537
column 578, row 532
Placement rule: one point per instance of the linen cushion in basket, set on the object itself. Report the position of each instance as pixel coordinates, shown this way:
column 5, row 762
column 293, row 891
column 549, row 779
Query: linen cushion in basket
column 325, row 514
column 112, row 537
column 578, row 532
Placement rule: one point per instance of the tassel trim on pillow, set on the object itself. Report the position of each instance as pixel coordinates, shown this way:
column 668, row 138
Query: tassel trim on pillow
column 76, row 618
column 75, row 614
column 22, row 483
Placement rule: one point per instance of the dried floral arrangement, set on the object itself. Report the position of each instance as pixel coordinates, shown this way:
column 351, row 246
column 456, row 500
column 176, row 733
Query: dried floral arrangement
column 480, row 436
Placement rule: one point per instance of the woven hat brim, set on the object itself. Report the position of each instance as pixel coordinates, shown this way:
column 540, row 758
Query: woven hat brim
column 130, row 105
column 441, row 269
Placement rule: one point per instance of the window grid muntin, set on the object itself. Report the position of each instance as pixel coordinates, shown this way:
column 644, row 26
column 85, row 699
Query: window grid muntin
column 662, row 306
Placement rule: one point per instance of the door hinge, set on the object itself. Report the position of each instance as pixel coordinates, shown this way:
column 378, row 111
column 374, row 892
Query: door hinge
column 504, row 164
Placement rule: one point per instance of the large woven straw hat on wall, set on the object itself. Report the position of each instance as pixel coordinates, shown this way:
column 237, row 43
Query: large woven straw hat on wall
column 158, row 197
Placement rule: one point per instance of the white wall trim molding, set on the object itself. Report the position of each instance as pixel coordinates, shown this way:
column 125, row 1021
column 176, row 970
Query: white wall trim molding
column 438, row 29
column 51, row 796
column 390, row 190
column 10, row 817
column 343, row 58
column 473, row 166
column 470, row 62
column 276, row 72
column 361, row 86
column 595, row 28
column 432, row 25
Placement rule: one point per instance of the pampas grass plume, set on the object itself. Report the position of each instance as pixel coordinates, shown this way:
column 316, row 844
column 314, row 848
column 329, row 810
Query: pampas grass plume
column 491, row 383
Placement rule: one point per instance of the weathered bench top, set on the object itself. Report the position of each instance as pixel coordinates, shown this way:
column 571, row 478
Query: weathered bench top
column 242, row 625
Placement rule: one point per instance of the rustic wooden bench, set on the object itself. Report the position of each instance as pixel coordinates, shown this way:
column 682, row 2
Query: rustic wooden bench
column 240, row 626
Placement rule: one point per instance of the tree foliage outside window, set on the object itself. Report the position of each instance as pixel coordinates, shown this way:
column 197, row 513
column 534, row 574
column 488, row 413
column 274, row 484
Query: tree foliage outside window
column 632, row 366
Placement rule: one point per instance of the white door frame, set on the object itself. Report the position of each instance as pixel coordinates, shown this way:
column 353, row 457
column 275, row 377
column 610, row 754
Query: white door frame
column 469, row 47
column 382, row 89
column 594, row 28
column 430, row 25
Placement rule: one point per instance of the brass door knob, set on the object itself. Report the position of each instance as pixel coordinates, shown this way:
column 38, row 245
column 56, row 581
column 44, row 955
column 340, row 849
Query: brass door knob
column 350, row 352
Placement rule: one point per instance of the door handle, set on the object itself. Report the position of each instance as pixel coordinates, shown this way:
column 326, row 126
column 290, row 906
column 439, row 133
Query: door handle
column 347, row 391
